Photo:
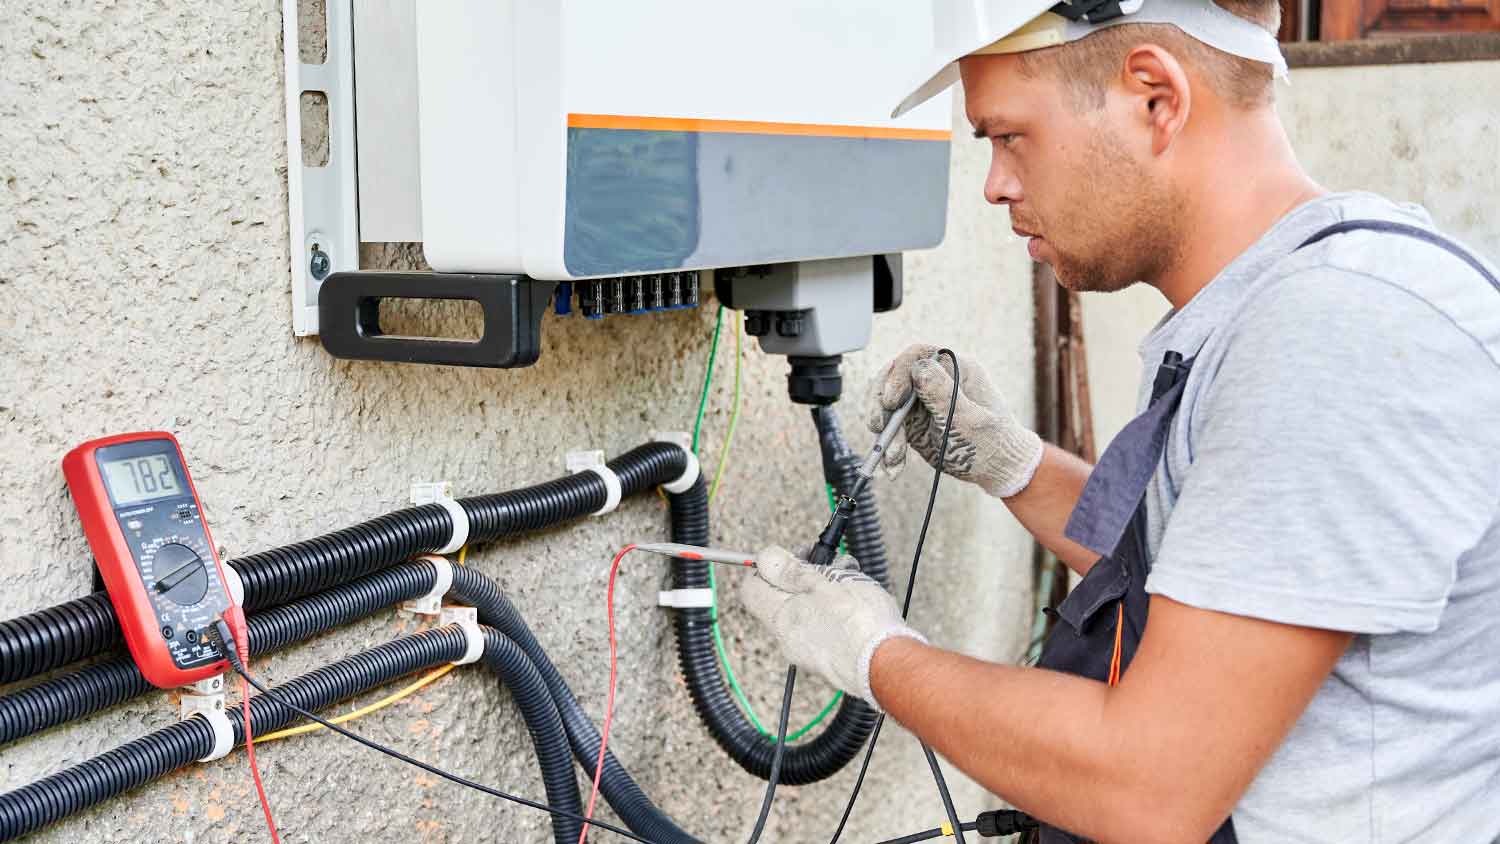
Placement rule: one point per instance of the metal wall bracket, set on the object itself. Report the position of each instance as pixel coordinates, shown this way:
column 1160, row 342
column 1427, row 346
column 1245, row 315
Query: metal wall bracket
column 512, row 305
column 322, row 200
column 206, row 695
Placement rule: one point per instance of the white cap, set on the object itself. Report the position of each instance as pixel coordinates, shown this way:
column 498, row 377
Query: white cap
column 988, row 27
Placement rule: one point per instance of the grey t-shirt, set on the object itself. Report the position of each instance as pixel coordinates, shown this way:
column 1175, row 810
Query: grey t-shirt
column 1336, row 464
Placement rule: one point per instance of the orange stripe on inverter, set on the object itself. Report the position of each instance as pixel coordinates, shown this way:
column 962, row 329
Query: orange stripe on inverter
column 751, row 127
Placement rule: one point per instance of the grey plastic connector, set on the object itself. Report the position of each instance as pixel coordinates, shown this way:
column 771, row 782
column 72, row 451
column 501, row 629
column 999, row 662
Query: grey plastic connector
column 820, row 308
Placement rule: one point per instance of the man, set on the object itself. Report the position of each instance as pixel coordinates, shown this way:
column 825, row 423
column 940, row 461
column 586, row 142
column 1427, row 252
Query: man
column 1318, row 463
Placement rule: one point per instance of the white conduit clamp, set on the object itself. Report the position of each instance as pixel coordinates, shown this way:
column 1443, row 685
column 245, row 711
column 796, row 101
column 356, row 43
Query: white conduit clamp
column 593, row 461
column 684, row 599
column 223, row 734
column 234, row 584
column 432, row 602
column 467, row 620
column 690, row 474
column 460, row 520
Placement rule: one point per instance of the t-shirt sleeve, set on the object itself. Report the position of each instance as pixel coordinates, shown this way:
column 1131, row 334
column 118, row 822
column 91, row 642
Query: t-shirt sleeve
column 1345, row 457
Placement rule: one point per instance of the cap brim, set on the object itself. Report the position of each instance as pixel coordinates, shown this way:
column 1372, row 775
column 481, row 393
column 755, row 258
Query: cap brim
column 935, row 84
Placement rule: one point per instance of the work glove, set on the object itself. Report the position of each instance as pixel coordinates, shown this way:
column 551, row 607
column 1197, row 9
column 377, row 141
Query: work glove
column 987, row 446
column 828, row 619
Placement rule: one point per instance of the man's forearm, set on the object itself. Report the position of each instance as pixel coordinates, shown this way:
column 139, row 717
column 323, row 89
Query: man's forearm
column 1044, row 505
column 1162, row 757
column 1031, row 736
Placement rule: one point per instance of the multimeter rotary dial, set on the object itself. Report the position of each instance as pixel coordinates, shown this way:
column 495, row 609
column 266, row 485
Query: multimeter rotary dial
column 174, row 570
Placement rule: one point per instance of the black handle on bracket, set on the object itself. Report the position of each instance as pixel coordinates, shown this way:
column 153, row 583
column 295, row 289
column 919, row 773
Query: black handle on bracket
column 349, row 317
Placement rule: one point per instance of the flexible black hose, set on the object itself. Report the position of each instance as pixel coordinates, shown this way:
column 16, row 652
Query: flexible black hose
column 51, row 638
column 56, row 636
column 115, row 681
column 518, row 673
column 283, row 574
column 839, row 742
column 134, row 764
column 620, row 790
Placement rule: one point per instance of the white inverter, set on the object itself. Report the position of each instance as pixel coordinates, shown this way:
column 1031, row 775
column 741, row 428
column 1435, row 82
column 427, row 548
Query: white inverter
column 567, row 139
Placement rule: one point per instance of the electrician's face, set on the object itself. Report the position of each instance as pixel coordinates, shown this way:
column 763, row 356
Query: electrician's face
column 1099, row 217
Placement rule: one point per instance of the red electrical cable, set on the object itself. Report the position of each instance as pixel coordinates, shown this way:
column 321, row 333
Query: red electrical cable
column 235, row 618
column 609, row 702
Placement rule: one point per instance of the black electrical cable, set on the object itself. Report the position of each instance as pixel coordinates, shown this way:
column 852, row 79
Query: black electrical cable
column 239, row 668
column 992, row 824
column 926, row 835
column 911, row 583
column 786, row 714
column 942, row 787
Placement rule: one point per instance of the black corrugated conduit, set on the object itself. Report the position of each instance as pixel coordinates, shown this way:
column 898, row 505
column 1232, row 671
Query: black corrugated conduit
column 148, row 758
column 840, row 741
column 60, row 635
column 101, row 686
column 618, row 787
column 285, row 574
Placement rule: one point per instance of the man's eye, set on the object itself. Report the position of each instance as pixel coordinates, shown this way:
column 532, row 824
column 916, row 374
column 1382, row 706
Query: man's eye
column 1007, row 138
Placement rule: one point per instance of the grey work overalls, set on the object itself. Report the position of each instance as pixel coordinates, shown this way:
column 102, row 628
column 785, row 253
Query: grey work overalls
column 1103, row 618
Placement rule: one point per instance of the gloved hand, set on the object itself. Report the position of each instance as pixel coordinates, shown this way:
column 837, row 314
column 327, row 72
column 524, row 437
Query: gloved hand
column 829, row 619
column 988, row 445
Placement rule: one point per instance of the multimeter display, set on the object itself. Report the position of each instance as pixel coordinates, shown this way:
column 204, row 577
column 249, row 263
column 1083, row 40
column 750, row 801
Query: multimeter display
column 142, row 518
column 132, row 480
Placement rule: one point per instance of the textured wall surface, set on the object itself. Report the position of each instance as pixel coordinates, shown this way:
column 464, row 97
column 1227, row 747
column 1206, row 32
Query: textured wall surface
column 144, row 282
column 1428, row 134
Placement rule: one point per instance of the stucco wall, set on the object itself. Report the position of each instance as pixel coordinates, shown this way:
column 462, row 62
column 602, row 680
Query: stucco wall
column 144, row 283
column 1425, row 133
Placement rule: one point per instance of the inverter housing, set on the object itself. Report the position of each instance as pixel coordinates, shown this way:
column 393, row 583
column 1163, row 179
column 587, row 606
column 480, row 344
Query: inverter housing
column 566, row 139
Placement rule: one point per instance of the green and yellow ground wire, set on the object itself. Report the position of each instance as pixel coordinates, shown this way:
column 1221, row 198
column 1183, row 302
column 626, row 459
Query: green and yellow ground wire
column 734, row 415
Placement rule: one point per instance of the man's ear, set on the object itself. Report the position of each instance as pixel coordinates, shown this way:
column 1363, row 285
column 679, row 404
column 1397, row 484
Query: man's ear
column 1162, row 97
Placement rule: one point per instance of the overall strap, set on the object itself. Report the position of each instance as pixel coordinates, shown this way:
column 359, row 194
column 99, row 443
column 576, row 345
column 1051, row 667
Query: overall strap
column 1407, row 230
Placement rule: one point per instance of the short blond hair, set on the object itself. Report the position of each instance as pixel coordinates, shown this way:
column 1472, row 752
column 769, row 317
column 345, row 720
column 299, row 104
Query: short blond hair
column 1089, row 64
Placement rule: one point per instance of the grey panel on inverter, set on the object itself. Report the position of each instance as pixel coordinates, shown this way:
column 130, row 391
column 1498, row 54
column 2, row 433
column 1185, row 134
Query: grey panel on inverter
column 640, row 200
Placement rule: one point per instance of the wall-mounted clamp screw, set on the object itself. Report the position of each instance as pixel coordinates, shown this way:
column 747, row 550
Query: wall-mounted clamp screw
column 320, row 265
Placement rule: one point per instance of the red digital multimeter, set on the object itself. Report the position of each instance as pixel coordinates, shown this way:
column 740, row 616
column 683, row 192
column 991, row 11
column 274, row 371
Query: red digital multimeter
column 142, row 517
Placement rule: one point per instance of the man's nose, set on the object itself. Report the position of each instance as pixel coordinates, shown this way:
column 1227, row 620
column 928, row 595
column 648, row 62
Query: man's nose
column 1001, row 187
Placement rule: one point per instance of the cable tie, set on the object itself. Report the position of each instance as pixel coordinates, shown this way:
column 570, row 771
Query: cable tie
column 432, row 602
column 579, row 462
column 223, row 734
column 467, row 620
column 460, row 518
column 693, row 469
column 684, row 599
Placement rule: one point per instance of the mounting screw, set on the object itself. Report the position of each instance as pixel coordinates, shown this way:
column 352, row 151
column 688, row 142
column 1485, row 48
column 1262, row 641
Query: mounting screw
column 320, row 264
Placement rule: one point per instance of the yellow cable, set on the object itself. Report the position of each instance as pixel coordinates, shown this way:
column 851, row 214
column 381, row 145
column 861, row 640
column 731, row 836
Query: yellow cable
column 463, row 553
column 360, row 712
column 734, row 416
column 947, row 829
